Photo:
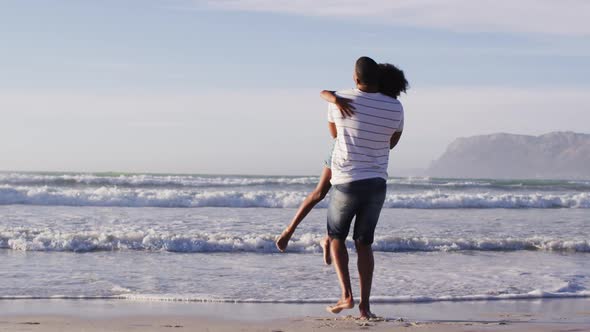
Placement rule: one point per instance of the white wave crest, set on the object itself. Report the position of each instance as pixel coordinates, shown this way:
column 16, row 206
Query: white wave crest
column 162, row 197
column 148, row 180
column 451, row 200
column 151, row 240
column 396, row 244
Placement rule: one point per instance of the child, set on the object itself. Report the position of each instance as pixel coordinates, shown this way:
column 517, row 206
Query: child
column 392, row 83
column 323, row 186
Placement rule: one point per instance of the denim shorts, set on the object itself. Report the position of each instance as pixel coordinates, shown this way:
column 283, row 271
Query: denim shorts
column 363, row 199
column 328, row 160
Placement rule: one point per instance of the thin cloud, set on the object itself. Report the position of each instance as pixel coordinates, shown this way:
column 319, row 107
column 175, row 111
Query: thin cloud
column 555, row 17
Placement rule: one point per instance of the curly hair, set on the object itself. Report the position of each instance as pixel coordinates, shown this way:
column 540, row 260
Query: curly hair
column 392, row 81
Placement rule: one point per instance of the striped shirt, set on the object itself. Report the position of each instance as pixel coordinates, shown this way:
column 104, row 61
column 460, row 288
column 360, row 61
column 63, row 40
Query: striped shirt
column 362, row 144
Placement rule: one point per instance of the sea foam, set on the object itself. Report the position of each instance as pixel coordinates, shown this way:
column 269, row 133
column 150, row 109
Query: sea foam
column 532, row 295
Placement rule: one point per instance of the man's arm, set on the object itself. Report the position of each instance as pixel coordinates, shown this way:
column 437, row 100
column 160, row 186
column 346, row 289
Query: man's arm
column 332, row 129
column 395, row 139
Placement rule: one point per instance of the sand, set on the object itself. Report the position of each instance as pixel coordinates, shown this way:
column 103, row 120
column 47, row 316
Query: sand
column 104, row 315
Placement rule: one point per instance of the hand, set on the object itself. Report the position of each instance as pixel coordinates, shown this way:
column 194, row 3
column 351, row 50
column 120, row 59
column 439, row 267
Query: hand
column 345, row 106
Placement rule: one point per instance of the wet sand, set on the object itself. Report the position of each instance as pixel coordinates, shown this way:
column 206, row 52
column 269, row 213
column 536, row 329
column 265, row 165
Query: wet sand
column 104, row 315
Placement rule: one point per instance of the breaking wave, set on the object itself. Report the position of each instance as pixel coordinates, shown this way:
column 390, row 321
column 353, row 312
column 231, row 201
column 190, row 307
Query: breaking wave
column 225, row 181
column 151, row 240
column 142, row 197
column 148, row 180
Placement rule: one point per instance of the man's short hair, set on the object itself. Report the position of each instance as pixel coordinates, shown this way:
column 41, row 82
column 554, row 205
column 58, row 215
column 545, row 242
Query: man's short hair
column 367, row 71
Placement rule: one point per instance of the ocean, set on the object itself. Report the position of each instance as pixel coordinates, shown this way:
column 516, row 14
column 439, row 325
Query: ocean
column 159, row 237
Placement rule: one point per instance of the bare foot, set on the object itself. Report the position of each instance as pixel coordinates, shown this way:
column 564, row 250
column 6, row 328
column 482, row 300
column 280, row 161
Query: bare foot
column 341, row 305
column 326, row 248
column 366, row 313
column 283, row 240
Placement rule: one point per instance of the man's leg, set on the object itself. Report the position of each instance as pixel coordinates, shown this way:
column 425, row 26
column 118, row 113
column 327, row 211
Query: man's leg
column 340, row 260
column 341, row 211
column 366, row 265
column 364, row 232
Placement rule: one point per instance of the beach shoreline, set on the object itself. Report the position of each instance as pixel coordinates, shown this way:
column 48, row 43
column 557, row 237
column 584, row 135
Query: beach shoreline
column 113, row 315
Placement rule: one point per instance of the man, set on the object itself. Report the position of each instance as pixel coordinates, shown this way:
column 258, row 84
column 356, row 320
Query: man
column 359, row 174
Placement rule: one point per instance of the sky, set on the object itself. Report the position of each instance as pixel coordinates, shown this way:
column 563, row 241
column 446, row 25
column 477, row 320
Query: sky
column 232, row 86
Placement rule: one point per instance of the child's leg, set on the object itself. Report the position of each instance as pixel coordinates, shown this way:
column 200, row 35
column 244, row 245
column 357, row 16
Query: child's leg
column 316, row 196
column 326, row 249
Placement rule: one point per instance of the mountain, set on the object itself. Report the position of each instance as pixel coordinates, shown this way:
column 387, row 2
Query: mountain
column 556, row 155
